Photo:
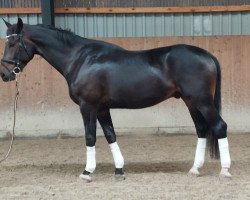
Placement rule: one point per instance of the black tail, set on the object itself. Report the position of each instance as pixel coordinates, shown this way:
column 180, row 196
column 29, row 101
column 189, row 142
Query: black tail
column 212, row 140
column 217, row 96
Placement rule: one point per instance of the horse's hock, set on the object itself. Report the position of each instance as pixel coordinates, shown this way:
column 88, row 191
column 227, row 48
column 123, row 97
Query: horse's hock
column 44, row 94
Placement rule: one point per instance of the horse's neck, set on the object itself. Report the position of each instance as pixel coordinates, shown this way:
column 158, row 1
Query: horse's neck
column 54, row 51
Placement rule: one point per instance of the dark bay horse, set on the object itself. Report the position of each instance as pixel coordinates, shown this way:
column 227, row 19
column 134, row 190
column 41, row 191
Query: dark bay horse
column 102, row 76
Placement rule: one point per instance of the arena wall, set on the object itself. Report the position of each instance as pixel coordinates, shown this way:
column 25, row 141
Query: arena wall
column 45, row 109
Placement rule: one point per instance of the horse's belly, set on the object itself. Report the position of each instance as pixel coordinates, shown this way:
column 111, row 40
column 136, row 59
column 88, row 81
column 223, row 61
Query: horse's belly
column 140, row 96
column 135, row 103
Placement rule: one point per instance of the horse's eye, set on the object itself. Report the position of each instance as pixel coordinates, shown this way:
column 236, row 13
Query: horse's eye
column 11, row 44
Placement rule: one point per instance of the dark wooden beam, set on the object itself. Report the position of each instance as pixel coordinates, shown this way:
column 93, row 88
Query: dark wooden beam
column 48, row 12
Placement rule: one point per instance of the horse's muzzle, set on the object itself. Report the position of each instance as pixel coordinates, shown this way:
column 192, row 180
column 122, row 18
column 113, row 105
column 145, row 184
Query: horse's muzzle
column 7, row 78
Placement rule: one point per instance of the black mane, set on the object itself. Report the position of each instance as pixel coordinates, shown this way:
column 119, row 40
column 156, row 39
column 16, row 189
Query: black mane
column 64, row 35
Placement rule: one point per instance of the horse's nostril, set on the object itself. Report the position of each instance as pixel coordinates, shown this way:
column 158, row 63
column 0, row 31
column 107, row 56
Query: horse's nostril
column 4, row 77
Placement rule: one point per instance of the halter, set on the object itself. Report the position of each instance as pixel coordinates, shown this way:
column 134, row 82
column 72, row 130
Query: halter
column 17, row 69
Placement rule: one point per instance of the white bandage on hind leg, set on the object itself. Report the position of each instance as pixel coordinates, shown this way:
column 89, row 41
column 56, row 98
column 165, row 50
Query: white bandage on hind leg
column 91, row 161
column 200, row 152
column 224, row 153
column 117, row 155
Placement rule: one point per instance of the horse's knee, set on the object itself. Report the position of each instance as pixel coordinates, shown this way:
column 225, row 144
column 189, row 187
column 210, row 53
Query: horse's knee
column 220, row 130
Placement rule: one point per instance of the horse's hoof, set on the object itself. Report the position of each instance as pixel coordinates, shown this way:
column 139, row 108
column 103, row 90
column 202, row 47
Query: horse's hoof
column 86, row 178
column 194, row 172
column 225, row 174
column 119, row 174
column 120, row 177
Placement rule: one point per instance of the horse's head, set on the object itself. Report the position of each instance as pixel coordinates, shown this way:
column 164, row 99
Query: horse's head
column 18, row 51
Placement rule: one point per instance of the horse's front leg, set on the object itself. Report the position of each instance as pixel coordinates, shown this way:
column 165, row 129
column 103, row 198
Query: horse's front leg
column 105, row 121
column 89, row 114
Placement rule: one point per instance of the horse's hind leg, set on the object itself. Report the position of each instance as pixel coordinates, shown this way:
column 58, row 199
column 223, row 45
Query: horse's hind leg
column 201, row 129
column 219, row 129
column 105, row 121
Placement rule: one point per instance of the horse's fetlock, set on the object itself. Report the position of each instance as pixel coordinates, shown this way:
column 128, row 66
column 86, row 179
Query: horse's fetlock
column 90, row 141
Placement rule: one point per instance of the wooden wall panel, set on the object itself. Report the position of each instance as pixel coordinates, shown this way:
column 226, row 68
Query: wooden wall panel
column 128, row 10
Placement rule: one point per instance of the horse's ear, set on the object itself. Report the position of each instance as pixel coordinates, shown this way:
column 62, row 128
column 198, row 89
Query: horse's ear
column 7, row 23
column 19, row 26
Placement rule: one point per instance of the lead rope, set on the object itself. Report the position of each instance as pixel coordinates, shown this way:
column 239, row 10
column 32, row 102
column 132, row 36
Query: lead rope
column 14, row 123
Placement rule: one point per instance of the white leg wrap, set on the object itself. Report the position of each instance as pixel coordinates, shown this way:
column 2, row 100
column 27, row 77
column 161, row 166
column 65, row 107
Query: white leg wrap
column 224, row 153
column 200, row 152
column 117, row 155
column 91, row 161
